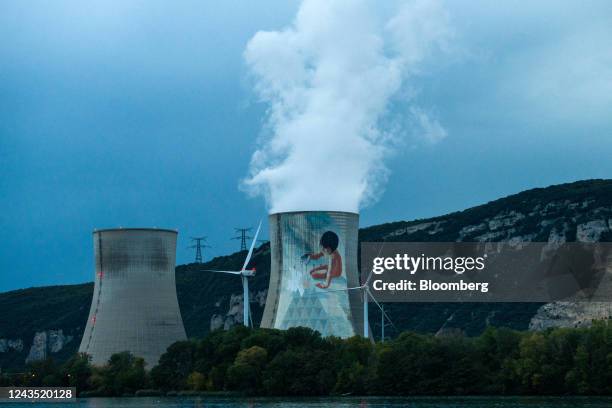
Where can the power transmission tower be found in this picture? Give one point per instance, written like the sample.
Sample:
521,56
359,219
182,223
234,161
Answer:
243,236
199,244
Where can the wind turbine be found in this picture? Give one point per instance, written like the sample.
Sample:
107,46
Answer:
244,276
367,294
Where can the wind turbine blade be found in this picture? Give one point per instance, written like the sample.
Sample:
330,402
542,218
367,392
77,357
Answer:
367,281
343,289
373,298
380,307
335,290
248,258
217,271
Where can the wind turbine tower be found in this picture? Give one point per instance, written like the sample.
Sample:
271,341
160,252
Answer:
244,274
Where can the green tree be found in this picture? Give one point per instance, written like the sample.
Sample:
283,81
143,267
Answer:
124,374
246,372
357,361
272,340
577,379
43,373
77,372
532,363
301,371
351,379
496,351
196,381
217,352
174,366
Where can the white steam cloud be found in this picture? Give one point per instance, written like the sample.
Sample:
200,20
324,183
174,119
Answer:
328,80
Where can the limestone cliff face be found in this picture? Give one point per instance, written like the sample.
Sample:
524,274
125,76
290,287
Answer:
234,313
555,222
570,314
8,345
46,343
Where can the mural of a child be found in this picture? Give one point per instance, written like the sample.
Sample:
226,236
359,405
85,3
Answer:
329,248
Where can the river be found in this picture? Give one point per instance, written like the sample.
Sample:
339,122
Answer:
345,402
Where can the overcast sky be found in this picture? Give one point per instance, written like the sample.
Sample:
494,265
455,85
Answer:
142,113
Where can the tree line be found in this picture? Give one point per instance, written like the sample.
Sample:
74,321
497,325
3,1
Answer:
299,361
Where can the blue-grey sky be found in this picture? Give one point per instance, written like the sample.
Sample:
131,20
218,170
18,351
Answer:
142,113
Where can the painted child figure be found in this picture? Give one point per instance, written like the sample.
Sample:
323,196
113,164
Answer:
333,269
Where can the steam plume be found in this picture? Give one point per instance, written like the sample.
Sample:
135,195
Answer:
328,80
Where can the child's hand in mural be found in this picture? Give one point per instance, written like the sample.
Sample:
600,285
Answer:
322,286
311,256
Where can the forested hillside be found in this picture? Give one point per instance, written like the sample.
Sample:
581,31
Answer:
49,320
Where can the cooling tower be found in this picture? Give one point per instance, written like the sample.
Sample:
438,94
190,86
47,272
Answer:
134,306
306,248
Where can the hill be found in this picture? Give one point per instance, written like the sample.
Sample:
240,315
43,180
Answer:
48,321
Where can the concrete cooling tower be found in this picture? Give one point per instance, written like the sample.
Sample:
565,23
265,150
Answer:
134,306
313,262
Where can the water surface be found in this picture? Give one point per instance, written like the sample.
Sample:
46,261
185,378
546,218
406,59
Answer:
344,402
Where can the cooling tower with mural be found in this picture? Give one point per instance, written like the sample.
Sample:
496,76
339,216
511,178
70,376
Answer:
313,262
